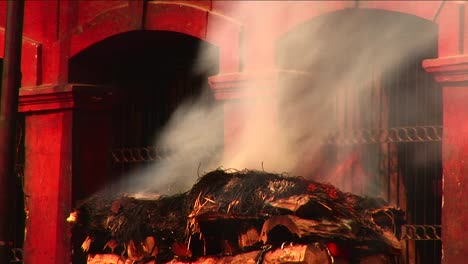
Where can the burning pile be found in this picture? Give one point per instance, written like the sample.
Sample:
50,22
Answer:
230,212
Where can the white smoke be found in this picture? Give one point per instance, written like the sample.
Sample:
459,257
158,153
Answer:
319,61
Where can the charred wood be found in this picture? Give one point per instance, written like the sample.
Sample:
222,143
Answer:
229,213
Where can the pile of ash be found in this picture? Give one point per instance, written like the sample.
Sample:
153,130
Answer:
231,212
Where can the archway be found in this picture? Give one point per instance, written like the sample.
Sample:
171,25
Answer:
149,73
379,111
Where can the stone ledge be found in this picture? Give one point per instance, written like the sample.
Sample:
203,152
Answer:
448,69
249,85
64,96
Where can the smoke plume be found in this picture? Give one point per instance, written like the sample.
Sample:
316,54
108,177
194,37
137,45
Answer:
327,66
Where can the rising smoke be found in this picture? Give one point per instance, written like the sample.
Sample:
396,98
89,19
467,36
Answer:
326,66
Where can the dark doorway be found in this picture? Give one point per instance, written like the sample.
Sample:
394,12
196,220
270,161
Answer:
150,73
385,125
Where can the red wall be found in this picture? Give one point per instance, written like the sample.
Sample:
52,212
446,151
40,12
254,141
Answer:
54,31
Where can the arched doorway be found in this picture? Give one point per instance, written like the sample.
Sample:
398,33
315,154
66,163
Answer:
379,112
149,73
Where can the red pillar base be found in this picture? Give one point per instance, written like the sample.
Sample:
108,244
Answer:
49,117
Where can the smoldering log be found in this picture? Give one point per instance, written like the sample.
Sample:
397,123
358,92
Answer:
313,253
233,212
127,224
250,195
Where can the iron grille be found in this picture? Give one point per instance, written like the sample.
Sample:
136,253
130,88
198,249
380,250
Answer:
132,155
392,134
395,134
421,232
138,154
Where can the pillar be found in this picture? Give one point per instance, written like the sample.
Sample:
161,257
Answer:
452,74
49,135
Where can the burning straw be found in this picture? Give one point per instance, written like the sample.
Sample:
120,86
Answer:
228,212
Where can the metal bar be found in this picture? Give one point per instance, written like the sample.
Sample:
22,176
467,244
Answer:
436,15
421,232
461,29
427,133
129,155
11,81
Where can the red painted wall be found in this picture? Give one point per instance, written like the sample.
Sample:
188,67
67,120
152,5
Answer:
54,31
455,156
48,172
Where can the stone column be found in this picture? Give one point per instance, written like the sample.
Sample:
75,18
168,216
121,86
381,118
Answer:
49,119
452,74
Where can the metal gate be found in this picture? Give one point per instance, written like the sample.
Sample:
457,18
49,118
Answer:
143,114
398,149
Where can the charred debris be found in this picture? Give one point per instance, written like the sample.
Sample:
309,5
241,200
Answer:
229,212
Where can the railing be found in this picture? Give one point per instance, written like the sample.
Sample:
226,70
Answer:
421,232
348,137
394,134
138,154
128,155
